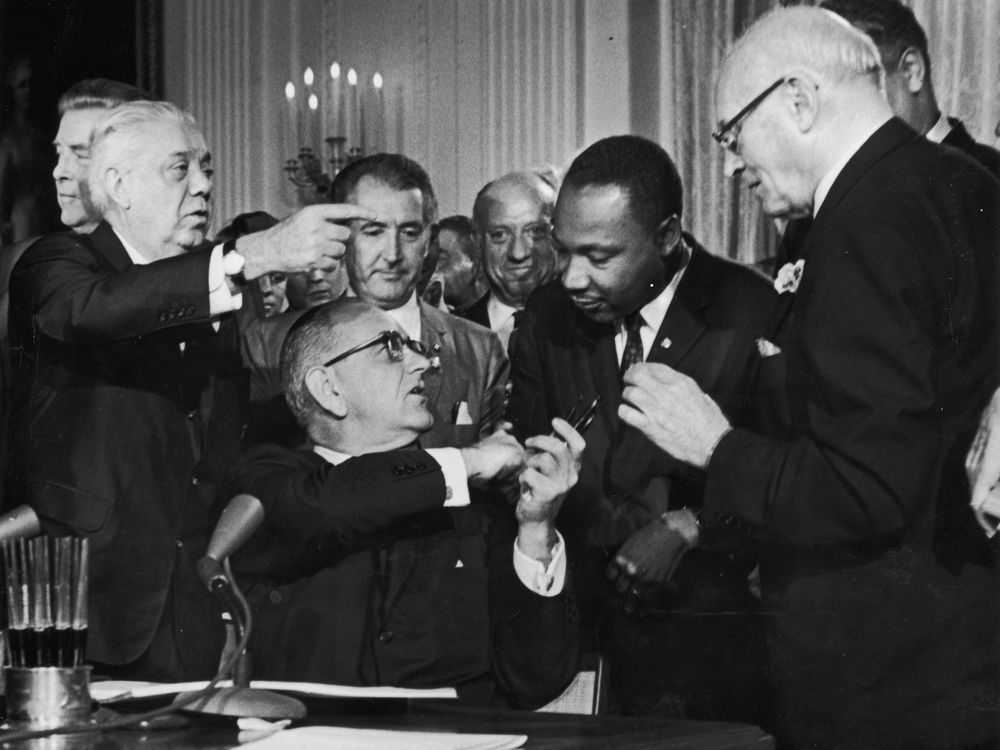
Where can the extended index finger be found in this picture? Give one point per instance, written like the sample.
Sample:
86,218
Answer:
344,212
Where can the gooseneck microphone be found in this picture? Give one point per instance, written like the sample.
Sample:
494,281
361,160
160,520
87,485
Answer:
239,520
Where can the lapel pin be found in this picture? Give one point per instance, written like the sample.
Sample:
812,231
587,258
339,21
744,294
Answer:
666,343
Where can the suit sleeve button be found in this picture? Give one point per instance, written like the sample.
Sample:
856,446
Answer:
397,470
274,597
385,636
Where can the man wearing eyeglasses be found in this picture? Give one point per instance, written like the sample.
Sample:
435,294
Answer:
373,568
880,356
466,387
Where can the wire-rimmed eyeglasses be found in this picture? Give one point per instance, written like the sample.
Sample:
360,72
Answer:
728,136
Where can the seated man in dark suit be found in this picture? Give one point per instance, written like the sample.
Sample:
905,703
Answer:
372,567
129,394
637,288
466,387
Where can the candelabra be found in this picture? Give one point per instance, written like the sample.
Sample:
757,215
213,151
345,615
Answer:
306,171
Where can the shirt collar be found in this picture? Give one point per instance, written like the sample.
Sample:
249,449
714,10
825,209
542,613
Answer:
654,311
940,129
332,456
133,254
823,188
499,312
408,317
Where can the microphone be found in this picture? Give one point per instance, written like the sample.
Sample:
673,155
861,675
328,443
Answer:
19,523
239,520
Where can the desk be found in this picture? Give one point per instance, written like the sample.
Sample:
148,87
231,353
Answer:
544,731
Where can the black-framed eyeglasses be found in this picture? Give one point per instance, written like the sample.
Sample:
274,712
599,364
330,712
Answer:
395,344
728,136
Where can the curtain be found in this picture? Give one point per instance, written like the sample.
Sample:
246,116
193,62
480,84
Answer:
718,210
963,39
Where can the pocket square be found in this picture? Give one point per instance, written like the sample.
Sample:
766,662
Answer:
461,413
766,348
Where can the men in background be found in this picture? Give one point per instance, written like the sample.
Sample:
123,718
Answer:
466,385
80,107
381,573
636,287
459,263
129,388
879,359
513,216
902,45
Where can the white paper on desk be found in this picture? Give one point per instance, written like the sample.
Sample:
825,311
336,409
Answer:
119,690
344,738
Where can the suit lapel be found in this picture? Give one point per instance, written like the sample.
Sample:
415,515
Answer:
432,335
105,243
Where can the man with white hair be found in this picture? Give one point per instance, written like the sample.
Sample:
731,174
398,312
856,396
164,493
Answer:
128,387
879,358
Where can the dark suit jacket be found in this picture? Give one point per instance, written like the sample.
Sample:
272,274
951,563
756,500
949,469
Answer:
361,576
473,368
478,311
120,435
625,482
887,591
958,137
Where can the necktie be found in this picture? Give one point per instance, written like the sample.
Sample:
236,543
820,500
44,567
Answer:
633,342
518,314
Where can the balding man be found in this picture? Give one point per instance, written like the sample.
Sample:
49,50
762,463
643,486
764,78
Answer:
513,220
395,579
880,356
128,385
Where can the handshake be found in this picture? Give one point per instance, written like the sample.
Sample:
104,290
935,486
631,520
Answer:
544,469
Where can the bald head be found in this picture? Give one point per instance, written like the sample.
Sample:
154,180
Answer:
512,216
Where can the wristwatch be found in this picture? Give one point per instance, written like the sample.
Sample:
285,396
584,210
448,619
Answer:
233,262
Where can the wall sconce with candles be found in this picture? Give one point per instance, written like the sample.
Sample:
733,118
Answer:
353,119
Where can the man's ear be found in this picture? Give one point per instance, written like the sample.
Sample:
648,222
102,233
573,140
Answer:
114,185
803,100
668,235
912,69
324,387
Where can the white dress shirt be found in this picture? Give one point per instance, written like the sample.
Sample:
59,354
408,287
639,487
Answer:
939,130
408,317
544,580
501,316
653,312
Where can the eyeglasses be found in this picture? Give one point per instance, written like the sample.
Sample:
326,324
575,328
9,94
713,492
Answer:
394,343
728,136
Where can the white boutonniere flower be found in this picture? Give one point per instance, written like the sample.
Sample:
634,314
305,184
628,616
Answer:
788,277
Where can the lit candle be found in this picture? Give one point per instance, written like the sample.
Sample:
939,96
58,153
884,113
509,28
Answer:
378,119
292,127
354,115
314,123
336,126
308,78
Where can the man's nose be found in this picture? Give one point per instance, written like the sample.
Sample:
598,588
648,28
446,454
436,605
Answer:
732,164
200,182
574,278
520,248
415,362
265,284
316,276
62,170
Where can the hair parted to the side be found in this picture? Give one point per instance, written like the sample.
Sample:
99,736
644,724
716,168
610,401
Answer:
889,23
395,170
308,343
99,93
111,148
641,168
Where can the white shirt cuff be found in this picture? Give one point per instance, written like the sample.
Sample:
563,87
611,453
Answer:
546,581
456,478
220,299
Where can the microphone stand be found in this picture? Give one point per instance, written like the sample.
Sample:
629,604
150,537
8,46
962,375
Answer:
243,514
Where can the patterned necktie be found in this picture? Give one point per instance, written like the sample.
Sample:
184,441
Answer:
633,342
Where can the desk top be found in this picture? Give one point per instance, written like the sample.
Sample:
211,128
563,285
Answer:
545,731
